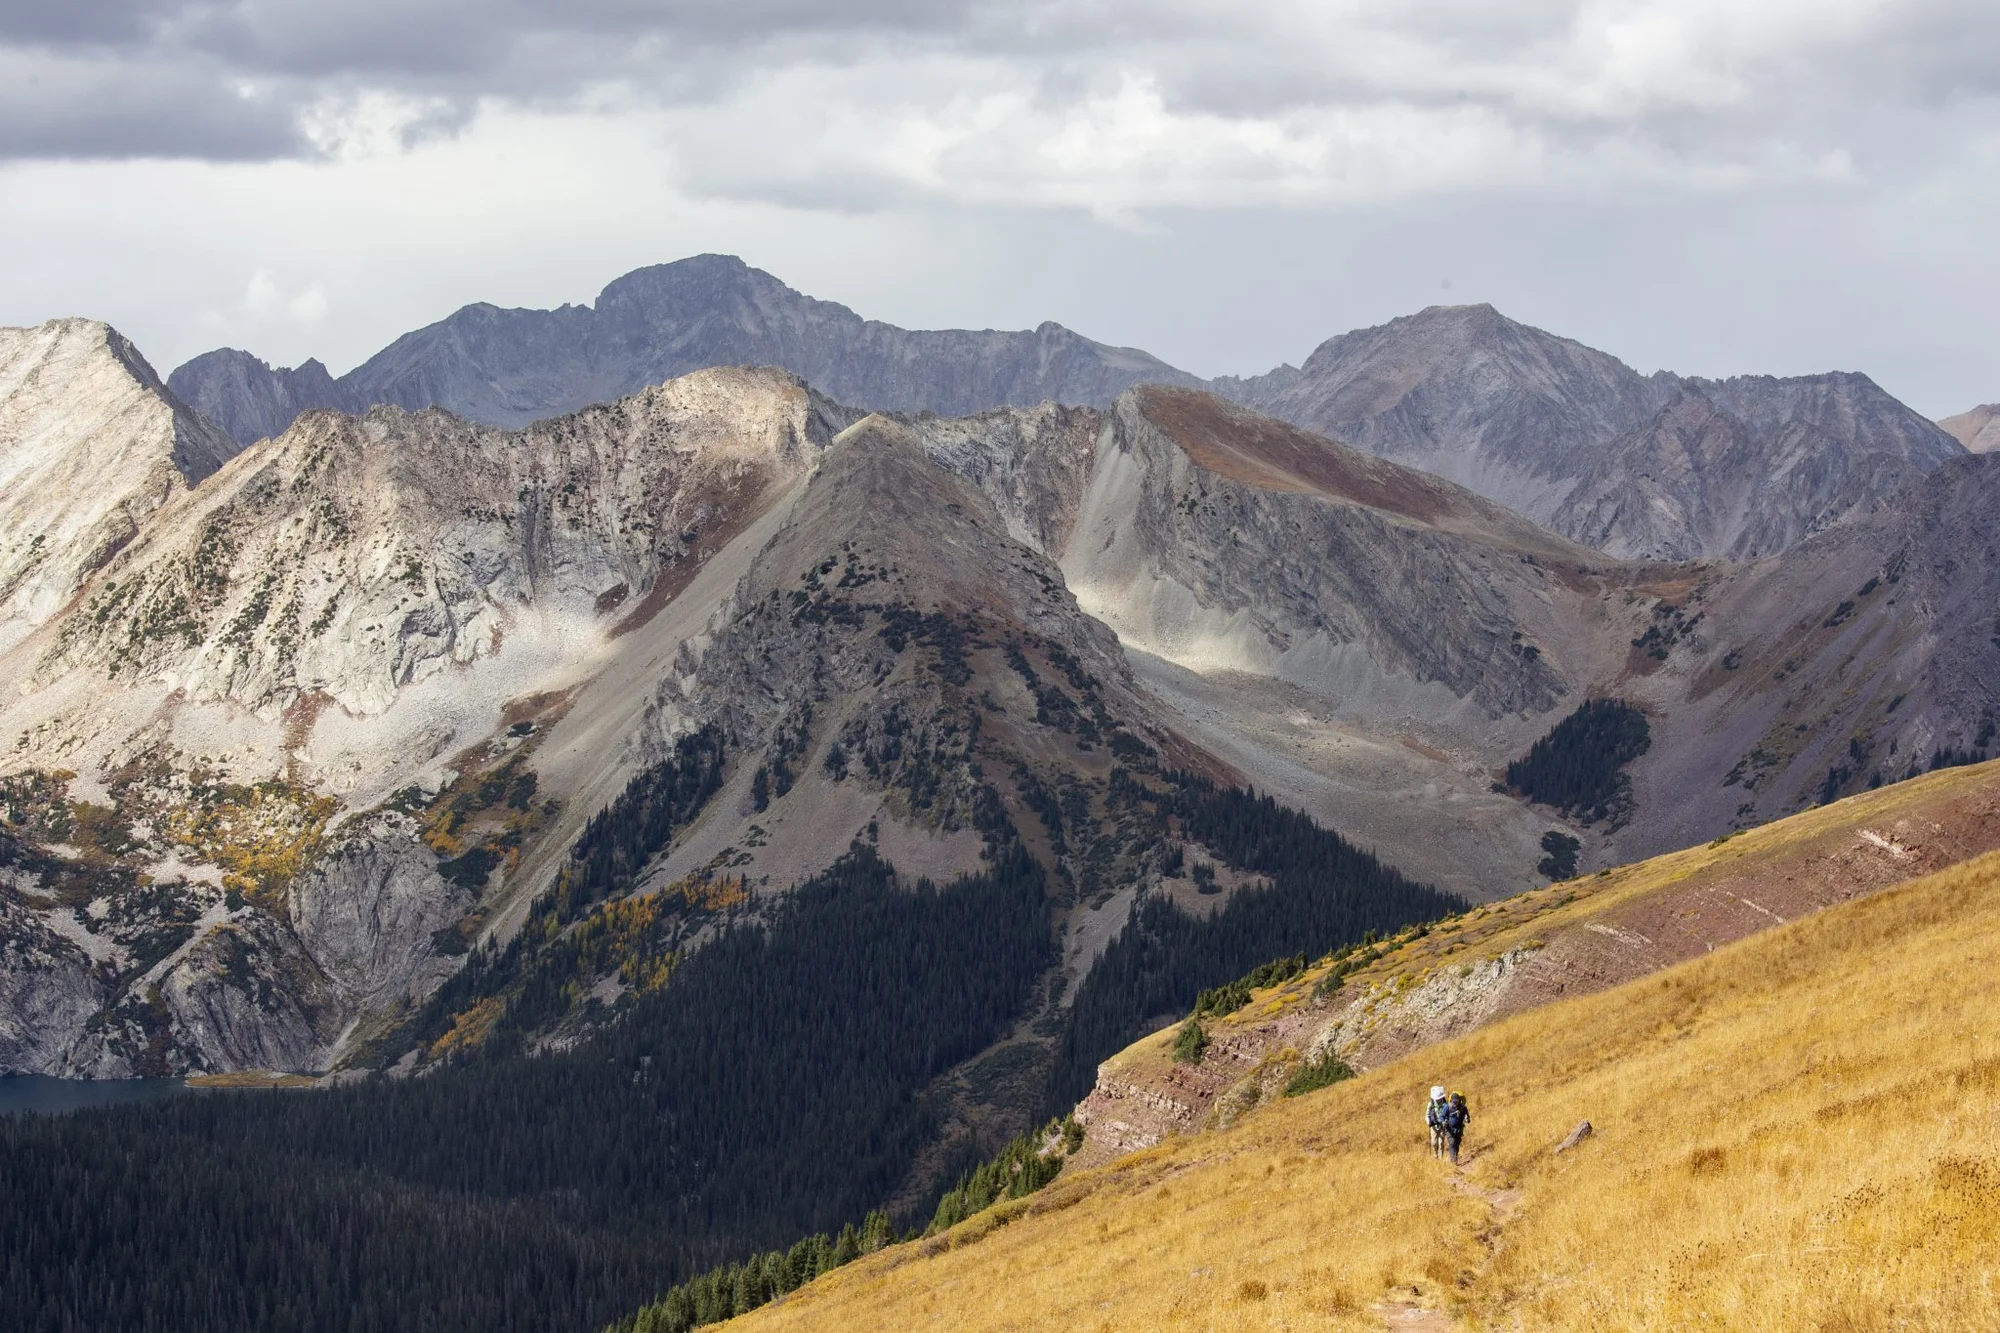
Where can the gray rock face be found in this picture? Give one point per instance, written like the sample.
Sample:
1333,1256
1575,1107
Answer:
248,996
1031,465
91,444
1746,467
145,978
49,984
1978,430
177,977
368,911
1657,467
253,401
510,367
1220,537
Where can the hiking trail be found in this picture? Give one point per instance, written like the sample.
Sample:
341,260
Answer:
1407,1315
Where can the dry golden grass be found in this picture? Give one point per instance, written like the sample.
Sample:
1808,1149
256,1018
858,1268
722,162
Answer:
1795,1132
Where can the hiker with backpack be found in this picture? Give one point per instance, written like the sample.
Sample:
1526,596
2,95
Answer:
1447,1117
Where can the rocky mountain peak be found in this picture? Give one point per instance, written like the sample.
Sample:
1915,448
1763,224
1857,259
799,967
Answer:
91,443
1978,430
252,400
901,529
1661,466
509,367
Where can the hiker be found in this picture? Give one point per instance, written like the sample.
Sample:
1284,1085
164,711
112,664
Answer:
1434,1114
1447,1117
1456,1117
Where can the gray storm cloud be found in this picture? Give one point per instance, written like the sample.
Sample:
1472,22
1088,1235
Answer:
1309,103
1713,185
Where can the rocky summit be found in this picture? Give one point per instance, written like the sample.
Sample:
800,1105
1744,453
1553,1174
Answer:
1657,467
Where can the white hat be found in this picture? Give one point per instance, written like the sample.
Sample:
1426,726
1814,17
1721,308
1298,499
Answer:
1437,1093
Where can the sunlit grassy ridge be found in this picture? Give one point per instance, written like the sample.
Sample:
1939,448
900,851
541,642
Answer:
1434,981
1796,1131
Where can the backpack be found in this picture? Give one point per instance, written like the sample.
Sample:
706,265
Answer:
1455,1113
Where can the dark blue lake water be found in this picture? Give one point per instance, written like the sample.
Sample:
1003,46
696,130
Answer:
34,1094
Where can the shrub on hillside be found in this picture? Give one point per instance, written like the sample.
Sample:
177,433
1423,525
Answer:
1191,1043
1313,1075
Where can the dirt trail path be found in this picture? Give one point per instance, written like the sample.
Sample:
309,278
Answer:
1407,1316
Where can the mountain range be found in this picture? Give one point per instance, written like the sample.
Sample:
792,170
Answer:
262,679
510,367
373,737
1658,467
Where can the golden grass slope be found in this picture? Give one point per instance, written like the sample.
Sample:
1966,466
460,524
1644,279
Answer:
1568,939
1797,1131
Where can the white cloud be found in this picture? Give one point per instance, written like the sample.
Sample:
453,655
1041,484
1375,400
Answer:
1713,184
375,122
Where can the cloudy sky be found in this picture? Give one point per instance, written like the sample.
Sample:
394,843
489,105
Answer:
1713,186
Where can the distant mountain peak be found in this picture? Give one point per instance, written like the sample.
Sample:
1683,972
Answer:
1978,430
1582,443
508,367
1571,437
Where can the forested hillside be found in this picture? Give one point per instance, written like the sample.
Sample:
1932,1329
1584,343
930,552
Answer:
575,1150
1576,767
772,1089
1322,893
